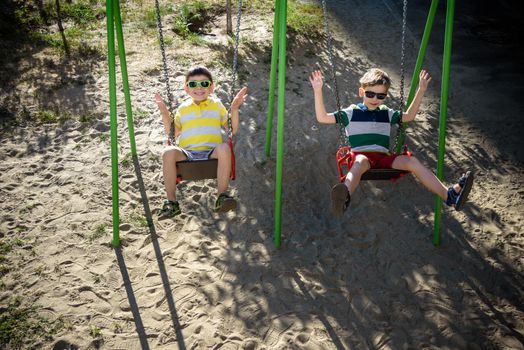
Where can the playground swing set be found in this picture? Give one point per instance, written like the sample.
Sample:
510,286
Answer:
206,169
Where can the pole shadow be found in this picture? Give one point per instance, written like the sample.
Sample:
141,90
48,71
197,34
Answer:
158,254
132,300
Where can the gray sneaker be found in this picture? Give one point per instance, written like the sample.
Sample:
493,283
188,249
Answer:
169,209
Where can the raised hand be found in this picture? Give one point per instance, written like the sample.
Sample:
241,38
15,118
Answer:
424,79
317,80
159,101
239,98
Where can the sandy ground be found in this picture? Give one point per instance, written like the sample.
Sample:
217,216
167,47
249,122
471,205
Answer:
372,280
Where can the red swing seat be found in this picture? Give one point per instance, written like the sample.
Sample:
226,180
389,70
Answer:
346,158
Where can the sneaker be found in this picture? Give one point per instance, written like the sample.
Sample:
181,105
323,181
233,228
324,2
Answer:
224,203
169,209
459,199
340,199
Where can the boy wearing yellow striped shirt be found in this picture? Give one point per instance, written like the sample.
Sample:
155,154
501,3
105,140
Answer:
198,125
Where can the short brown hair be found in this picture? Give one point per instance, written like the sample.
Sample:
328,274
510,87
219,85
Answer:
373,77
200,70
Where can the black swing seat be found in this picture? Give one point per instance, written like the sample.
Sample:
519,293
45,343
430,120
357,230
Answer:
196,170
383,174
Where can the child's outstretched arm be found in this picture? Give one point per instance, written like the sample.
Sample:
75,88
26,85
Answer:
166,116
317,82
411,113
235,106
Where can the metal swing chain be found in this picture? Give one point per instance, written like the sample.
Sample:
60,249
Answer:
400,127
234,70
170,101
343,141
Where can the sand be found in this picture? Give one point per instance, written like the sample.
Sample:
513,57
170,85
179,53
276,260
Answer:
371,280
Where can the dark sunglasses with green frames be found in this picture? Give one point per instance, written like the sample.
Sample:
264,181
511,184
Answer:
195,83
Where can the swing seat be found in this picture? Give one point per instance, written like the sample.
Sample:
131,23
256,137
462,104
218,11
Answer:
346,157
203,169
196,170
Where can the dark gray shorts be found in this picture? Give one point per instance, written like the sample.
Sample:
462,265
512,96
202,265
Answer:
197,155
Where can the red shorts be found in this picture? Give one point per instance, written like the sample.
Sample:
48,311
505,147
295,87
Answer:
379,160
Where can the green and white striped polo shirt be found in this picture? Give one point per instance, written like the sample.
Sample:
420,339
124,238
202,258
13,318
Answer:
368,131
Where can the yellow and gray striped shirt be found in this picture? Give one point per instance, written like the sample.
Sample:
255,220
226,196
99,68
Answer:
200,124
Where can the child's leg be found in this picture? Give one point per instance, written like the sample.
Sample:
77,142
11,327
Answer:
359,167
223,153
171,155
423,174
341,193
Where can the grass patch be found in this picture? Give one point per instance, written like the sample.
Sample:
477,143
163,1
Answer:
87,118
4,269
127,161
138,220
46,116
257,5
21,326
149,17
140,113
80,18
99,231
95,332
192,19
305,19
82,12
6,246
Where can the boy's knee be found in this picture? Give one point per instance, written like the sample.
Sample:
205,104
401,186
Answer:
362,160
413,163
169,153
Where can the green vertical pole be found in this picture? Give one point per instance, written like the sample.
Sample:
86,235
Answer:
112,111
272,78
123,69
418,65
446,64
282,22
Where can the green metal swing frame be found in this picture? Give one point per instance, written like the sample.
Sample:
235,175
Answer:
278,58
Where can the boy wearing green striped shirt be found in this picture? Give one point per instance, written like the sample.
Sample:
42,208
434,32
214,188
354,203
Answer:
368,126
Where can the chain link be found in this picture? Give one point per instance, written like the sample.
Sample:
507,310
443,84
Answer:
170,100
343,141
234,70
400,129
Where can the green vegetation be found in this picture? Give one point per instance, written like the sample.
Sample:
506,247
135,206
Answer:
305,18
99,231
140,113
6,245
87,118
191,20
259,5
127,162
46,116
149,16
79,18
22,326
95,331
138,220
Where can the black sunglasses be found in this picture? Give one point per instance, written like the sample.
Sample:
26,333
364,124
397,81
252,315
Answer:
371,94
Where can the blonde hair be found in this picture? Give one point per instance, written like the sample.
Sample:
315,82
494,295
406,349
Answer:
373,77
